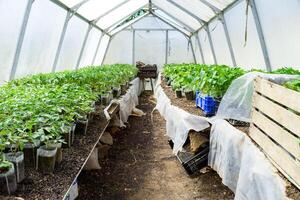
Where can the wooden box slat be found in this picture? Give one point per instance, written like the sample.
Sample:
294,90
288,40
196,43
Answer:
278,93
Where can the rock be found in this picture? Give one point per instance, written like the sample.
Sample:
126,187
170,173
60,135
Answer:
103,150
106,138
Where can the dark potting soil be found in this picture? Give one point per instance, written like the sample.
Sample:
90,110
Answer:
54,186
141,165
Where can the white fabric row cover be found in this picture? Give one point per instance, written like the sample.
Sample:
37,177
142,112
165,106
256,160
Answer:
242,166
111,12
178,121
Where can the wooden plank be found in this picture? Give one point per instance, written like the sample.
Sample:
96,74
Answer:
285,163
286,118
281,136
278,93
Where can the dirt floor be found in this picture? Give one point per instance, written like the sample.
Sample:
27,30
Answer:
140,165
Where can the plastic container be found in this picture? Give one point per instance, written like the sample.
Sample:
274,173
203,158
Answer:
29,151
81,126
18,160
116,91
8,181
59,154
178,93
189,95
123,89
46,159
207,103
68,139
105,99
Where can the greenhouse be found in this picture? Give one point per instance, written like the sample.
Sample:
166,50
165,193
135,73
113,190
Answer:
149,99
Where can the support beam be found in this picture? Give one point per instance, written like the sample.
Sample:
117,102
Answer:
97,48
78,5
20,40
223,21
167,47
260,35
200,48
192,48
170,24
176,19
106,49
83,45
109,11
133,47
61,40
211,44
201,21
211,6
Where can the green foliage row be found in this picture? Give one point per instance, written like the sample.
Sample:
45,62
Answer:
213,80
45,106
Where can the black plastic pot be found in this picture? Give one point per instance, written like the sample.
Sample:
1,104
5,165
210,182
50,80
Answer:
46,159
18,160
29,151
8,181
189,95
81,126
178,93
116,92
123,89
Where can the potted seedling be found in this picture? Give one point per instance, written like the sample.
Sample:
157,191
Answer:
8,183
15,156
81,125
56,142
105,99
67,135
123,88
116,91
46,155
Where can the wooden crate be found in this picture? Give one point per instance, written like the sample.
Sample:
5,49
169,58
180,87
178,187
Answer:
275,126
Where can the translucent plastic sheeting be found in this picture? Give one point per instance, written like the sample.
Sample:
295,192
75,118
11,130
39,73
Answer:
41,38
220,43
250,55
121,13
90,47
177,14
282,39
150,47
178,121
179,50
120,49
207,52
151,22
237,101
173,22
242,166
12,13
71,3
102,49
197,50
95,8
221,4
115,30
72,44
197,8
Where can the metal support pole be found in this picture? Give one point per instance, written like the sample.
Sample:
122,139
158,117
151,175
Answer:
61,40
223,21
167,46
200,48
83,45
107,46
20,40
133,47
97,48
260,35
193,52
211,44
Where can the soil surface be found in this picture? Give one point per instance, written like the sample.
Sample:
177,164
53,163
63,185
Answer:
54,186
140,165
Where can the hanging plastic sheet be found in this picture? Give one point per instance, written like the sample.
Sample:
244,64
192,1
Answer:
242,166
237,101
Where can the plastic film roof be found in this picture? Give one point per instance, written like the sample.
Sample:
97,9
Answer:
187,16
